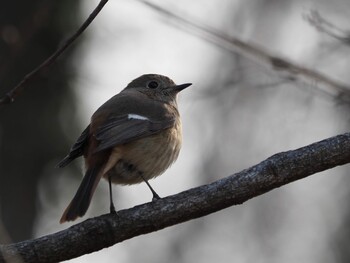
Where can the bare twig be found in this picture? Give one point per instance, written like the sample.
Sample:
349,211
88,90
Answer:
12,94
290,70
106,230
324,26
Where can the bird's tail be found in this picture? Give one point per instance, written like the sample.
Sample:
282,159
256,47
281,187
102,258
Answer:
81,201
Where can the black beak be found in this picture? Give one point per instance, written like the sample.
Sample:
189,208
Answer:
178,88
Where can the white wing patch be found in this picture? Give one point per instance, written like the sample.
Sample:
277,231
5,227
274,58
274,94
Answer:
137,117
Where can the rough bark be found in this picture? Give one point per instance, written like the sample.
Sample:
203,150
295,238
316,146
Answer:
106,230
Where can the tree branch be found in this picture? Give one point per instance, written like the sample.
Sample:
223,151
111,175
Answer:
287,69
12,94
324,26
106,230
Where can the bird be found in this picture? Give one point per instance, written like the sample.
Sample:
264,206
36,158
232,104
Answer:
133,137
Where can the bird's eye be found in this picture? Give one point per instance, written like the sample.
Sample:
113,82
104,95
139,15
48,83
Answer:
153,85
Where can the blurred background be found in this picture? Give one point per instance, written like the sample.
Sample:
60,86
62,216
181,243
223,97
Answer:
238,112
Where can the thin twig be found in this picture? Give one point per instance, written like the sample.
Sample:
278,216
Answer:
324,26
100,232
12,94
291,70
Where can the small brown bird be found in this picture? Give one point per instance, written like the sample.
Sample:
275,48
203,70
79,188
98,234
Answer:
133,137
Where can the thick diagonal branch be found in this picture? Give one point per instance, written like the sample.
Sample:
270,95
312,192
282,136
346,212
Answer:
106,230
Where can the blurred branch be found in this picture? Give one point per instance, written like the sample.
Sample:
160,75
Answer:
324,26
12,94
291,71
106,230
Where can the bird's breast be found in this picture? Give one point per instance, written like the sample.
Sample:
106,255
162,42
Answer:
147,157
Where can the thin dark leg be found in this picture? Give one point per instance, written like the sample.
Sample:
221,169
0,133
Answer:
155,195
111,206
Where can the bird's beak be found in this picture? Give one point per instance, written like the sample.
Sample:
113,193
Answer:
178,88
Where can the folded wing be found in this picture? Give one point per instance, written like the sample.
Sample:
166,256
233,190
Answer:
124,129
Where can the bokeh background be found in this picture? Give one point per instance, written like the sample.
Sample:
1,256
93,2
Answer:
237,113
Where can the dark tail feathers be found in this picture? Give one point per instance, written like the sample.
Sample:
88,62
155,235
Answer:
81,201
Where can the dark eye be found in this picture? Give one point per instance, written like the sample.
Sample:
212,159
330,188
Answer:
153,85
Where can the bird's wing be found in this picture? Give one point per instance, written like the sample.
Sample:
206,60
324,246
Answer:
123,129
77,148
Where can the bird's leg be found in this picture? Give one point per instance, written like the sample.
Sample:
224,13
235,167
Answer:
111,206
155,195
